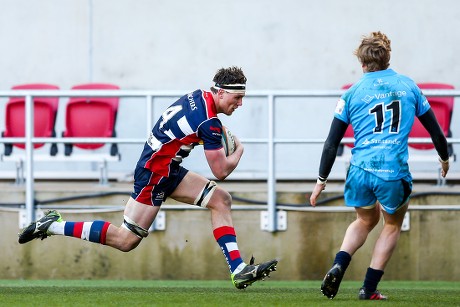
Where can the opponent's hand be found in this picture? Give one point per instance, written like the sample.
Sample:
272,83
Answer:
319,187
444,167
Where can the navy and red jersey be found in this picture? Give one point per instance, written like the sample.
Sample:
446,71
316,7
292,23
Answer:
189,121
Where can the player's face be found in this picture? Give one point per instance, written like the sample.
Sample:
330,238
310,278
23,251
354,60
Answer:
229,102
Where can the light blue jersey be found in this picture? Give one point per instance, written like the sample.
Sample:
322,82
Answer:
381,107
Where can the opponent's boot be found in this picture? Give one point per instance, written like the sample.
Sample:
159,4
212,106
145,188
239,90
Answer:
332,280
368,295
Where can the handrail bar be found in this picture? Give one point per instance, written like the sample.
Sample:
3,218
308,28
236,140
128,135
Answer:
271,141
175,93
244,140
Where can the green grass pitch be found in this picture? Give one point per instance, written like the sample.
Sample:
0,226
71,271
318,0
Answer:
216,293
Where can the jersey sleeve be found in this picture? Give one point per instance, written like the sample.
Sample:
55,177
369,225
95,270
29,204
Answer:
341,109
210,132
421,103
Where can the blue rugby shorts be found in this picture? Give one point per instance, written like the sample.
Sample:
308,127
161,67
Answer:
153,189
363,189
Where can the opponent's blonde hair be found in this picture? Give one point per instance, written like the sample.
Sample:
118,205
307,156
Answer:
374,51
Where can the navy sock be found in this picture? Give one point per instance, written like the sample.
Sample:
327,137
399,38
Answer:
372,279
343,258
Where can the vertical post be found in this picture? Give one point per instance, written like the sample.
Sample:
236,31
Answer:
149,112
30,204
149,107
271,192
90,40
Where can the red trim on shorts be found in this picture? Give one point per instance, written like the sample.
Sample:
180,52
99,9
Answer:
145,196
223,231
104,232
77,230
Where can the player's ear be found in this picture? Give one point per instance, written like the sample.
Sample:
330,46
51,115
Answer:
221,93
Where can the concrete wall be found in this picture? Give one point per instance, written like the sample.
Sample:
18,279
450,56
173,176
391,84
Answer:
178,45
187,249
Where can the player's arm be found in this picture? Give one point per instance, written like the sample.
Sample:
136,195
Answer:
331,145
221,165
429,121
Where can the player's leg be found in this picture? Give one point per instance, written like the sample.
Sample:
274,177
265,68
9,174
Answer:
137,216
137,220
394,197
357,232
355,236
384,247
194,187
197,190
367,216
388,239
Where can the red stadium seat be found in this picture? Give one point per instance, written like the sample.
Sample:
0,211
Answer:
442,108
91,117
45,111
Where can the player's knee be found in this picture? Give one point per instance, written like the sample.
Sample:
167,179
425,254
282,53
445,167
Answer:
392,227
210,195
130,235
370,223
221,200
226,199
129,245
126,241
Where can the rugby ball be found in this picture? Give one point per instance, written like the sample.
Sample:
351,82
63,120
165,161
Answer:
228,142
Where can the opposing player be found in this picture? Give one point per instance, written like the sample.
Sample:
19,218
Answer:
381,108
190,120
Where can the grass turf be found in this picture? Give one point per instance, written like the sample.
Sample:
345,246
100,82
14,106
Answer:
215,293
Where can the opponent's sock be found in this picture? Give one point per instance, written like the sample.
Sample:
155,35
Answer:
343,258
372,279
226,238
95,231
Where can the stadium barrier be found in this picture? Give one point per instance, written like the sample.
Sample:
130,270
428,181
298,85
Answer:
271,216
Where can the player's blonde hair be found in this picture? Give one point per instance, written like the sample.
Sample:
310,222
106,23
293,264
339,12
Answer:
374,51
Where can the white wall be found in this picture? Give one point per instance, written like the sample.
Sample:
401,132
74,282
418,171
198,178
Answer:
178,45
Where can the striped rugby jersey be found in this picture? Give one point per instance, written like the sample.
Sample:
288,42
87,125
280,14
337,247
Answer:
189,121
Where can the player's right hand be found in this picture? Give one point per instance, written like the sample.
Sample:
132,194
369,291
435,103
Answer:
237,142
319,187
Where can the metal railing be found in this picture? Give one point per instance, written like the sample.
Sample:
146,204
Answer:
149,96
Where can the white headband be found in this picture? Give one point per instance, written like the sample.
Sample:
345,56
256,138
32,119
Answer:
232,88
